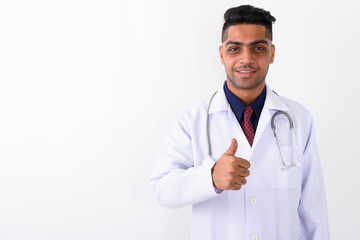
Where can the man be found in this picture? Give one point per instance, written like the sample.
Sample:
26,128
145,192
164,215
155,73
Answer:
252,185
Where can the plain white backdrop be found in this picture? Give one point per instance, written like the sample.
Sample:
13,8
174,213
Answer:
88,89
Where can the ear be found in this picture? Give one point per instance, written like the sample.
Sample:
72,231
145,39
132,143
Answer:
272,53
221,52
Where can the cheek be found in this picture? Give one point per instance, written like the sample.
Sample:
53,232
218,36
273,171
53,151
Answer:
229,66
266,61
229,61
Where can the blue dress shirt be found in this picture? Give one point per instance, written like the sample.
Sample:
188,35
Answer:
238,106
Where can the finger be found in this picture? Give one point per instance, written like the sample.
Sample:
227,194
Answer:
236,186
243,172
241,181
243,163
233,147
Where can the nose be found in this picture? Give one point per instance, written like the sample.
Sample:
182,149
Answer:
246,57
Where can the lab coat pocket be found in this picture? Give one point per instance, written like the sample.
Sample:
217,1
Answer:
277,174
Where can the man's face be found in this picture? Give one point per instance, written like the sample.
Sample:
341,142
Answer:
246,55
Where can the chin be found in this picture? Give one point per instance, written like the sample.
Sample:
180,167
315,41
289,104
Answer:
244,84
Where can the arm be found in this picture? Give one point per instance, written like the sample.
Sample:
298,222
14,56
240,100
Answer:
313,208
176,178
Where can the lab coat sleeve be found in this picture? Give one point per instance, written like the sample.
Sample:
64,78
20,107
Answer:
313,207
177,179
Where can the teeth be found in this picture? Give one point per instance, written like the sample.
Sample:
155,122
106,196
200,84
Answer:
246,71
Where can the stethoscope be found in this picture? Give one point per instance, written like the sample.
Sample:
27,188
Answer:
285,166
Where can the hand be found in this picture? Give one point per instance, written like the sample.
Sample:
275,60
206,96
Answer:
229,172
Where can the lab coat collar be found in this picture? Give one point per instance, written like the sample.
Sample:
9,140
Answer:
219,102
272,101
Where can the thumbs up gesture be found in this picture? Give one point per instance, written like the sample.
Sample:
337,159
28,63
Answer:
229,171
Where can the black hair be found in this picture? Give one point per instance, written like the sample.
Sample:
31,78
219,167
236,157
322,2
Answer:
249,15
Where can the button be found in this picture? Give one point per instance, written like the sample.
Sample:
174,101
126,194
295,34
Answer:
252,164
253,201
254,237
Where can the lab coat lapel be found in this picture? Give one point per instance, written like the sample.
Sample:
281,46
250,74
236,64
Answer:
220,103
263,122
272,104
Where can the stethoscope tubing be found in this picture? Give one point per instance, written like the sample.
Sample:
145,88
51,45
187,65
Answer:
273,127
207,127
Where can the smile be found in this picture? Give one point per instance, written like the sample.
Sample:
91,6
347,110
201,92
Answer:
246,73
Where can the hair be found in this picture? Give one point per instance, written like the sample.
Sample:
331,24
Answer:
247,14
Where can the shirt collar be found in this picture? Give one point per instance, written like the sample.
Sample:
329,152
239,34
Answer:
273,102
238,106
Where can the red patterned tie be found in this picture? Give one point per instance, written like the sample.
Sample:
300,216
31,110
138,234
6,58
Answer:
247,125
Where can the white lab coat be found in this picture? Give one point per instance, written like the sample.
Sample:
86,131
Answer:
274,204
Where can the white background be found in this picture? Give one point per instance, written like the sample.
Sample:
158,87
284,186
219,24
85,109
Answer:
89,88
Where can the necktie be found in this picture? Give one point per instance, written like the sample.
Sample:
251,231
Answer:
247,125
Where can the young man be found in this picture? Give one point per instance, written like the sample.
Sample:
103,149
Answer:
223,158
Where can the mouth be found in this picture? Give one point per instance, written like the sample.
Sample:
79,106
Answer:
245,73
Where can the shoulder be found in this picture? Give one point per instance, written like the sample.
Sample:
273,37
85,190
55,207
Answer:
295,106
300,114
277,102
194,112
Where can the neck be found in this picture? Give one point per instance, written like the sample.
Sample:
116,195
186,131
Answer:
247,95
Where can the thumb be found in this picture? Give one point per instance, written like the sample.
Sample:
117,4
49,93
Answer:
233,147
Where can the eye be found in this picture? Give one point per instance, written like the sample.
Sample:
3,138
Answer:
259,49
233,50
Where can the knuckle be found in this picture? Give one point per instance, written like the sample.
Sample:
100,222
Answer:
244,181
244,172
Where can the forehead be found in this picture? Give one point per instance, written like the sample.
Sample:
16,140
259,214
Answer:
246,33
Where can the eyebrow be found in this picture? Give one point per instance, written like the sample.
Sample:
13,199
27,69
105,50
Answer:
242,44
